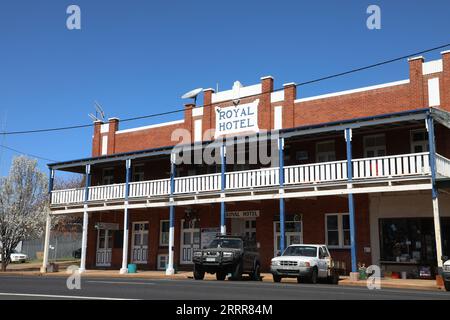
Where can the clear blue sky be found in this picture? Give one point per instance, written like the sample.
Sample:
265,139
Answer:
138,57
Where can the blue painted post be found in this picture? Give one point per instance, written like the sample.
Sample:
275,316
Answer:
351,203
85,219
223,227
124,268
51,178
281,174
434,192
170,270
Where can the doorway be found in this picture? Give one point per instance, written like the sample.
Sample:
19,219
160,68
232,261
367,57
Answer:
139,249
190,240
104,248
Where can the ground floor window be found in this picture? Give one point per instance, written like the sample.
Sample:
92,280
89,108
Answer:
337,230
164,233
293,233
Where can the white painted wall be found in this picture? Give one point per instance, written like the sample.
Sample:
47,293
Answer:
396,205
104,144
434,97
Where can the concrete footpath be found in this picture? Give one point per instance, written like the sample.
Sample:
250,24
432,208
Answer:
29,269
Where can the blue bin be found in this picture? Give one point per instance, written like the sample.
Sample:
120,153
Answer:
132,268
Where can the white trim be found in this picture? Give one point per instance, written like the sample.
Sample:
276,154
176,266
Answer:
340,230
416,58
266,77
432,67
230,94
104,128
104,144
162,124
289,84
196,112
341,93
278,118
434,97
198,130
277,96
444,52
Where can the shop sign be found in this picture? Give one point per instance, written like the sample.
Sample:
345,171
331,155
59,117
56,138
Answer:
106,225
237,119
243,214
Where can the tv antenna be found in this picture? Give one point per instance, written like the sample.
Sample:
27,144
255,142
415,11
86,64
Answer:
192,94
99,113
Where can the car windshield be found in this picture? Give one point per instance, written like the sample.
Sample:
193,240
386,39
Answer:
302,251
225,243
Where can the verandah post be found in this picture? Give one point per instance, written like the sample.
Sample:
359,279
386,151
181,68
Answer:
351,203
170,270
223,227
281,178
85,220
48,223
124,268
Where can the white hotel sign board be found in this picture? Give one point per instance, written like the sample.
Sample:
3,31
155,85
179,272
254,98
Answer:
237,119
243,214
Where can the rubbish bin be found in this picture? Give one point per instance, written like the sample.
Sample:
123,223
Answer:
132,268
362,273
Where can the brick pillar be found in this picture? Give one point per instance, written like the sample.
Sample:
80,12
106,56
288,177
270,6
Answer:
290,94
445,81
113,127
96,139
188,121
209,112
416,94
264,109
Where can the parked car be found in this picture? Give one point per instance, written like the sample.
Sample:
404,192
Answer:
76,253
446,273
309,262
17,257
227,255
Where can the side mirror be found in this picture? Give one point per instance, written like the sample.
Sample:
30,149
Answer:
444,258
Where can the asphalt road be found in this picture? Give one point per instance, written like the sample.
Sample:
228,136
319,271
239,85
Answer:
28,287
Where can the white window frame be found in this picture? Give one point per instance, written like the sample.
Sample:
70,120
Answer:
161,244
423,143
340,230
374,148
328,152
160,256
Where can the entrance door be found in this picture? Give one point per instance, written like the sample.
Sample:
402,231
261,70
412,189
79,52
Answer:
104,245
244,227
190,240
139,251
293,234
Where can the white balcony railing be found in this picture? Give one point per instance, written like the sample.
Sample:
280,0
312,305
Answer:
150,188
416,164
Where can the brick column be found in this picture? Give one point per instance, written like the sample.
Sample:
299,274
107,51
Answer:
264,108
209,112
290,94
417,100
96,139
113,127
188,121
445,81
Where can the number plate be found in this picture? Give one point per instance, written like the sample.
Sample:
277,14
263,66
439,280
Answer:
210,259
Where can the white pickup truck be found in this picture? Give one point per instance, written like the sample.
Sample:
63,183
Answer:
309,262
446,273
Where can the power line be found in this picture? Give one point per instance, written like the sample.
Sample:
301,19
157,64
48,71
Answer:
208,105
27,154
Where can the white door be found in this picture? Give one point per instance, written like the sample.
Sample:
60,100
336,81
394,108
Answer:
104,245
293,234
190,240
139,250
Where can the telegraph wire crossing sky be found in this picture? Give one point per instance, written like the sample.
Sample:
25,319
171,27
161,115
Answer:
138,59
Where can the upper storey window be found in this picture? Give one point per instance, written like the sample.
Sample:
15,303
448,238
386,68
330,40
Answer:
108,176
419,141
375,146
325,151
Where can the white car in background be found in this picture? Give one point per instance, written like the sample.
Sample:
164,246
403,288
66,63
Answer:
17,257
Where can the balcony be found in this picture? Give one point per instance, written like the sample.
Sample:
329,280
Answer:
389,170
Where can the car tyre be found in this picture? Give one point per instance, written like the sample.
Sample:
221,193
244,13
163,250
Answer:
333,278
220,276
198,273
299,279
237,273
276,278
313,277
447,285
256,274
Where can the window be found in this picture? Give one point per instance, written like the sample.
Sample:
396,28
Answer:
337,226
163,259
325,151
375,146
138,173
419,141
164,233
108,176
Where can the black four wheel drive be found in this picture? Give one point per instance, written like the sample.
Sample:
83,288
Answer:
227,255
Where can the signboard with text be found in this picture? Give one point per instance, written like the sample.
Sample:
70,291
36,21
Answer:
243,214
237,119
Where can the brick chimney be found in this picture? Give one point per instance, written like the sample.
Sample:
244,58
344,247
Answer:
113,127
445,80
96,139
290,94
265,111
209,112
